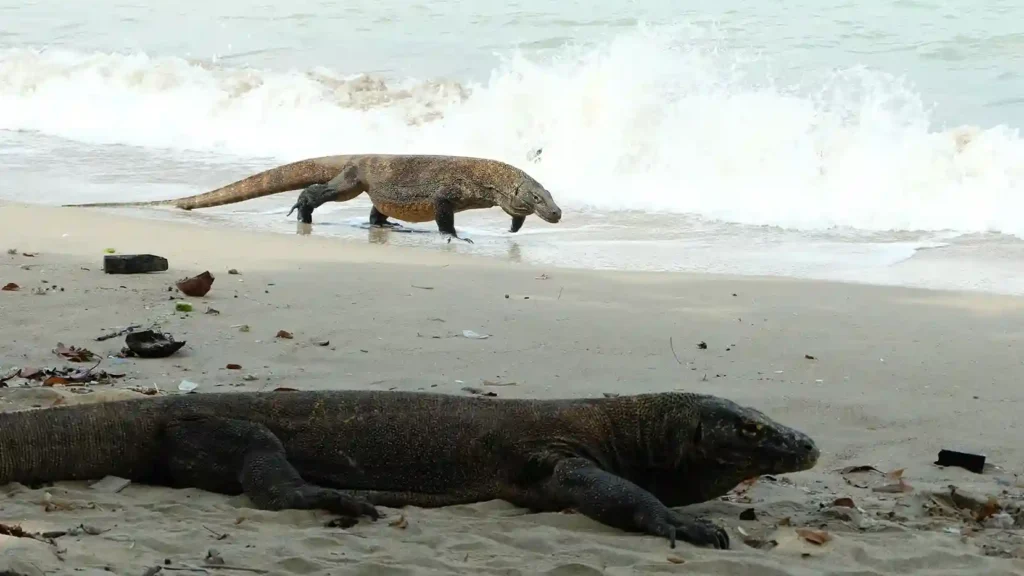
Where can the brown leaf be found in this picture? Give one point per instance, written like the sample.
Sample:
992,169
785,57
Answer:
675,559
745,485
895,474
30,373
56,381
401,523
893,488
284,334
10,287
818,537
73,353
234,366
844,503
991,508
196,286
285,389
14,530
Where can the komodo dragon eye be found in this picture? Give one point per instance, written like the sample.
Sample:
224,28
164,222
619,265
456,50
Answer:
752,429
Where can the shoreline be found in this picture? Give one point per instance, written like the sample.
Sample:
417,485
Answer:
627,242
879,376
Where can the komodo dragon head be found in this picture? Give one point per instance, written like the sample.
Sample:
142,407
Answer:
708,445
527,196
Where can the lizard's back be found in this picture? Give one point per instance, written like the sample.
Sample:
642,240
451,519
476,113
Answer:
400,441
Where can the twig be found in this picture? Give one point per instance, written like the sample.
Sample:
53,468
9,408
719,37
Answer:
217,535
94,366
673,348
422,287
560,292
239,568
117,333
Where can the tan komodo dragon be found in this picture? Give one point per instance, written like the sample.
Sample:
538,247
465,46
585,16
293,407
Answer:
413,188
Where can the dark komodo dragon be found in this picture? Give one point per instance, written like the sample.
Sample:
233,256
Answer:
413,188
620,461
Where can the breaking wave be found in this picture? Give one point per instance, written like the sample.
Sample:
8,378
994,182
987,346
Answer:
641,123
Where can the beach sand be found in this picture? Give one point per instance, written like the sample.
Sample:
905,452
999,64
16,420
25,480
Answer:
879,376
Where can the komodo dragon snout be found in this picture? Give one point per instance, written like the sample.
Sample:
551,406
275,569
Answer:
531,197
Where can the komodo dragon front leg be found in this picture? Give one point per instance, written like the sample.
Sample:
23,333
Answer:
237,456
602,496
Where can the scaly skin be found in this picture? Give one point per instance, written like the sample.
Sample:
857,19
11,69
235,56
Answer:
620,461
413,188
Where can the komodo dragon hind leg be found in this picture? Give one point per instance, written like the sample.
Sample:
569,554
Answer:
379,219
614,501
342,188
444,215
231,456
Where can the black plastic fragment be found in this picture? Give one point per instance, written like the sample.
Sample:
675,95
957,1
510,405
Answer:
972,462
133,263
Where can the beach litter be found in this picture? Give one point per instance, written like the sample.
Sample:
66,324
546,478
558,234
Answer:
133,263
150,344
196,286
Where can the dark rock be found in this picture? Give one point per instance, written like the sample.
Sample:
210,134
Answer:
133,263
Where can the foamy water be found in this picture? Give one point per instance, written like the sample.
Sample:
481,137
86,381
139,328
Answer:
692,146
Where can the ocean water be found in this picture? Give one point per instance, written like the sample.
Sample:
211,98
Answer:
874,141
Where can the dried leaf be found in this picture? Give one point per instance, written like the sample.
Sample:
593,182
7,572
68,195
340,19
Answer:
285,389
10,287
818,537
991,508
284,334
74,354
234,366
894,488
401,523
745,485
56,381
30,373
675,559
844,503
895,474
196,286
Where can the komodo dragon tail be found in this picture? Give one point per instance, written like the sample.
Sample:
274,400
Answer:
80,442
281,179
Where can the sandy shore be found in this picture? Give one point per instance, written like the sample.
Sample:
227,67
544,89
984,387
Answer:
881,377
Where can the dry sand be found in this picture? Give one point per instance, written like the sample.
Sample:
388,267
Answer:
896,375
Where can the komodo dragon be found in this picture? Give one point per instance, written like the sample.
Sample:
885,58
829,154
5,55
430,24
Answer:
413,188
620,461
